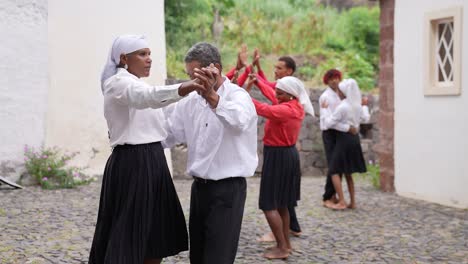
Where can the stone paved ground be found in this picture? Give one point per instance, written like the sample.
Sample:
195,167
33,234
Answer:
38,226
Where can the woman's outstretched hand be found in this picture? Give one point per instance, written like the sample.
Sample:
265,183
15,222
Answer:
211,79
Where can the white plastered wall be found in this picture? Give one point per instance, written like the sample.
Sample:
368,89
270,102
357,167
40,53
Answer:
23,80
431,143
80,36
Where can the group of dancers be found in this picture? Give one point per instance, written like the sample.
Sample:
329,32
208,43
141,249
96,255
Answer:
140,219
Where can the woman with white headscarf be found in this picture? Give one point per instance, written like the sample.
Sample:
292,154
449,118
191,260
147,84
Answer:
281,172
140,219
346,157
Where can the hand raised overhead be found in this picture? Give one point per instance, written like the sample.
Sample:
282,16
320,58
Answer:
242,57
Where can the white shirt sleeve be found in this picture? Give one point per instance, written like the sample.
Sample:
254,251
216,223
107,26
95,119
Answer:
236,110
174,126
140,95
321,99
365,115
335,120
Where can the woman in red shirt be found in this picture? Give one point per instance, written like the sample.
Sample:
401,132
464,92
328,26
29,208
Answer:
279,187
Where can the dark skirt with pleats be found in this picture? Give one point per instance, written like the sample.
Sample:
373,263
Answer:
140,216
281,178
347,155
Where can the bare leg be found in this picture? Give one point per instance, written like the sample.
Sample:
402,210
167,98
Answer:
276,224
350,182
152,261
339,190
284,212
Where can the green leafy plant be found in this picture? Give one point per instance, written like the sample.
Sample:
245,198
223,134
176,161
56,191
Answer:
326,37
372,174
51,170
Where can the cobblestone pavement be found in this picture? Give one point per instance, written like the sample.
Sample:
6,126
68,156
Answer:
38,226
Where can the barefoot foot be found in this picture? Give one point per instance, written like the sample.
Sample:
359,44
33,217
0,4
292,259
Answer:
338,206
290,250
268,237
294,233
329,204
276,253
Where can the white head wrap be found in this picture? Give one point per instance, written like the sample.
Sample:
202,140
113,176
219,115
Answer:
350,89
294,86
124,44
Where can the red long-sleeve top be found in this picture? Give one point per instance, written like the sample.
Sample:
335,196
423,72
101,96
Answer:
242,77
283,120
262,78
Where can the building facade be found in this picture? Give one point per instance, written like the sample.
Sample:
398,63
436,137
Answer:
424,97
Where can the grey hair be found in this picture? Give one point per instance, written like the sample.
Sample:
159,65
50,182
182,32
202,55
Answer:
204,53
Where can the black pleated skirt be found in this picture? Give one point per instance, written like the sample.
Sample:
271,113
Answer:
281,178
347,155
140,216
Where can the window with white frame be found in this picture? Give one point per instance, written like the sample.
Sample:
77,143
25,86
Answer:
443,52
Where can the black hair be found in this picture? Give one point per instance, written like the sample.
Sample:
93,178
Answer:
290,63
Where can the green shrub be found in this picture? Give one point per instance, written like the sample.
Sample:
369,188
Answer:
306,72
372,174
364,34
49,168
351,63
347,40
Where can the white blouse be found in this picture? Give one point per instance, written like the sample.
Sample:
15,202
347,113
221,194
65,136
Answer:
132,109
221,142
343,115
333,101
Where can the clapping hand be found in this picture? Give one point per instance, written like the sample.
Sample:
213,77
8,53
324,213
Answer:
256,59
242,57
252,80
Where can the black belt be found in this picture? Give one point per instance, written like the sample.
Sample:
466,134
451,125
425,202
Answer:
201,180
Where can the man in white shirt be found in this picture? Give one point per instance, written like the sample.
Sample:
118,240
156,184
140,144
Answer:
219,125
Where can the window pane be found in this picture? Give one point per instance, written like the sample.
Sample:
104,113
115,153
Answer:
441,76
448,32
445,51
440,29
442,52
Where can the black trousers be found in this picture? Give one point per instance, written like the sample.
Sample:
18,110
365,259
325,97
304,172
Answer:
216,210
329,142
293,223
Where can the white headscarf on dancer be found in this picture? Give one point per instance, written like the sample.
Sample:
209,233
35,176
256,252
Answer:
350,89
295,87
124,44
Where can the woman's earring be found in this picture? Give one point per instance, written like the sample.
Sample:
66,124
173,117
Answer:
126,66
290,98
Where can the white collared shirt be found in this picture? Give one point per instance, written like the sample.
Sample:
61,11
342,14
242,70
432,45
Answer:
333,101
131,109
343,114
221,142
